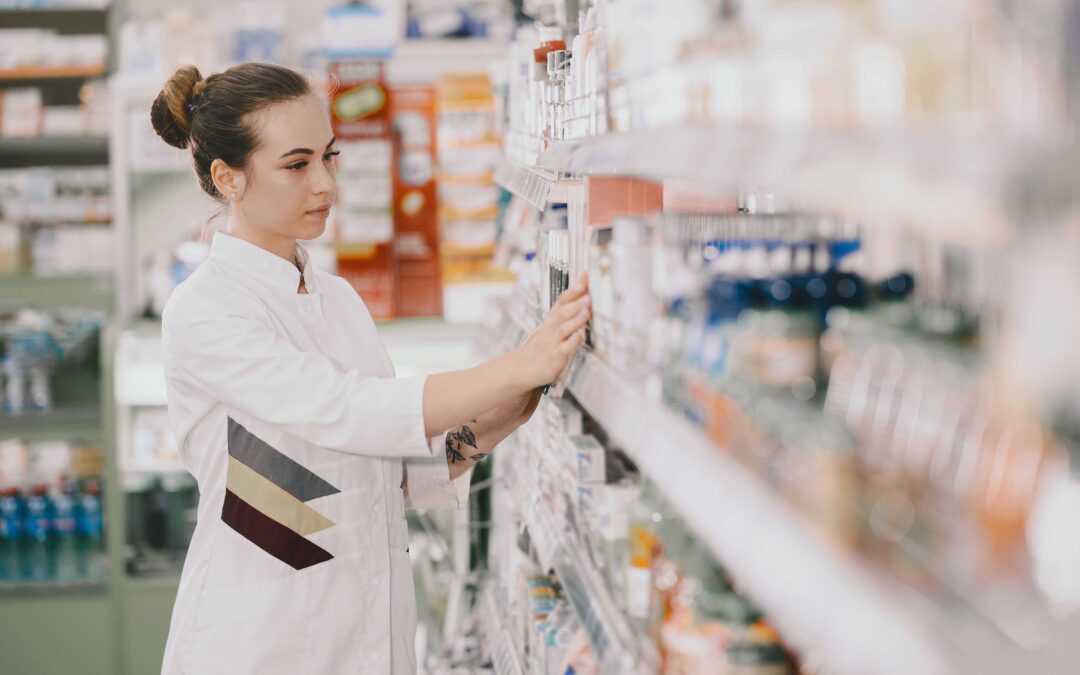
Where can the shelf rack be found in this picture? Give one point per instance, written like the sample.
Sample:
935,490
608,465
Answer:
528,183
614,643
504,655
97,145
827,602
31,73
94,291
955,188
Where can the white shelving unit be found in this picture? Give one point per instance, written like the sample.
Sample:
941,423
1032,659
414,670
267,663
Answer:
826,602
503,653
953,188
617,650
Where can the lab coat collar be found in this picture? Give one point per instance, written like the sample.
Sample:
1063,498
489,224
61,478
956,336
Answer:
262,264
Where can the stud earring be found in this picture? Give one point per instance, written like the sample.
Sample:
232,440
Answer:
234,195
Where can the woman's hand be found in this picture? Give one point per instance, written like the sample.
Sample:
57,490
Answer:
548,351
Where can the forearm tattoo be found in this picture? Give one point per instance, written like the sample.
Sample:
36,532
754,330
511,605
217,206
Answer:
458,443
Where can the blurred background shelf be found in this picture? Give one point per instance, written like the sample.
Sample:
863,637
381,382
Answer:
77,423
47,150
94,291
36,588
32,74
504,654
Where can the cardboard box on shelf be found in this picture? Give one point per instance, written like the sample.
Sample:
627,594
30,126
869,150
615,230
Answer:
415,204
370,270
360,118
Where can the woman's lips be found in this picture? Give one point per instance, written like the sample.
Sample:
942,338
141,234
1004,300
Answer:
320,213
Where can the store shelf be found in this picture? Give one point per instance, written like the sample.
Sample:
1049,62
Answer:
8,588
617,649
770,551
504,655
872,622
51,12
30,73
18,290
76,423
953,186
528,183
97,146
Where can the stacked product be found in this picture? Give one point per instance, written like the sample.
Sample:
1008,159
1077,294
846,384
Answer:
51,514
588,514
469,201
55,220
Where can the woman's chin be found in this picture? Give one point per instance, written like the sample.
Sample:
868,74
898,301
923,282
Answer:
309,230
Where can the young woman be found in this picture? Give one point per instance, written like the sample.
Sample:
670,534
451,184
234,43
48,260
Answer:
285,407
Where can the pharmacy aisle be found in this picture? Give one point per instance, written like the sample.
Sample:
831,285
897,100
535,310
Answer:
825,418
821,424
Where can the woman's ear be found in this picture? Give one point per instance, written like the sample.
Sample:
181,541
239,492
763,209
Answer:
228,181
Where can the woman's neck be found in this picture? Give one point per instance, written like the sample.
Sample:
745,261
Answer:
284,247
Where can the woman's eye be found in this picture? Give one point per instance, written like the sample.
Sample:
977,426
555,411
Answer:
330,155
297,166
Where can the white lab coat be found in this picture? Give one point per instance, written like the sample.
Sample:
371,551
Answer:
286,410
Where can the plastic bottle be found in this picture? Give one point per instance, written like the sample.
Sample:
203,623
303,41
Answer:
90,527
11,506
644,545
63,553
37,530
634,309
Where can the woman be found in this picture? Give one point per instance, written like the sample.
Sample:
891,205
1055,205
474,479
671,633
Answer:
285,408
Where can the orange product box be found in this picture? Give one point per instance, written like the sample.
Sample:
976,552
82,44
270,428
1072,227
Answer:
415,202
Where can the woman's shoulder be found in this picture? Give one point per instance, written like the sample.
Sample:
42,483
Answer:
206,296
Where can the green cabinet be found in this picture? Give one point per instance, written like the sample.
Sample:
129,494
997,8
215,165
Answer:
57,633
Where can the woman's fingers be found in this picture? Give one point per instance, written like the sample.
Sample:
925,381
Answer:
569,347
576,291
574,324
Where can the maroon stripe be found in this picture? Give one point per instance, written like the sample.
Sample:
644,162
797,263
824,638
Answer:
270,535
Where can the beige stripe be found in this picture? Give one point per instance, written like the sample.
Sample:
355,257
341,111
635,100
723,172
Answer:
274,502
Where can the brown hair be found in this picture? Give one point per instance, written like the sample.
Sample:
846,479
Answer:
210,116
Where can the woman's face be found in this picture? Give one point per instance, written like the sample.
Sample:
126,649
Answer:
290,181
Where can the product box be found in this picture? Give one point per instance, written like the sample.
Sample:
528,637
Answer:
415,202
358,106
591,459
370,270
363,222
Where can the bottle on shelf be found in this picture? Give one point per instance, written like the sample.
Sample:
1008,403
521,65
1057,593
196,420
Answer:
11,526
64,548
91,532
37,532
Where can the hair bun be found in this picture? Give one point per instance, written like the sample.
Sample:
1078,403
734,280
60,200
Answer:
172,110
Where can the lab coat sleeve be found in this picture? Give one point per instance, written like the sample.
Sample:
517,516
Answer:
239,359
428,484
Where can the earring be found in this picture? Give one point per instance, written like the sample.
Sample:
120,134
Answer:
234,195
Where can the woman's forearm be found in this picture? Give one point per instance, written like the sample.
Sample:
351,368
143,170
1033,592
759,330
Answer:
473,441
452,399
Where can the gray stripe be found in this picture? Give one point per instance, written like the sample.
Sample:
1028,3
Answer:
287,474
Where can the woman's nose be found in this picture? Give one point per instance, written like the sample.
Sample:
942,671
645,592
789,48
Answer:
324,181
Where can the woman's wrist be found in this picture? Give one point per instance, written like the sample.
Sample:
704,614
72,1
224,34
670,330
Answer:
516,366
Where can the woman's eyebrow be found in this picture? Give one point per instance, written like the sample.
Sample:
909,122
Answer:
307,151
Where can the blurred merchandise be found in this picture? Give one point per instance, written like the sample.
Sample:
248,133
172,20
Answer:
56,194
469,201
363,221
23,49
416,227
462,19
361,30
35,347
51,519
